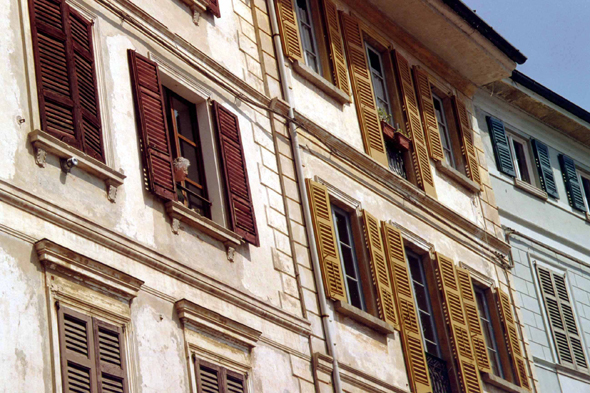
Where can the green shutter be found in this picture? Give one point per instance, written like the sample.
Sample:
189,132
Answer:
544,168
570,178
501,146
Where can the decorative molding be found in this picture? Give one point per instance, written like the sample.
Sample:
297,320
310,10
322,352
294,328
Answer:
483,279
321,83
200,318
87,271
339,194
535,191
45,143
457,176
197,7
188,81
415,239
363,317
178,212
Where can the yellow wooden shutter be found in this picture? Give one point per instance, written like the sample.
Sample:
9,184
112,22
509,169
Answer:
334,33
414,125
325,238
459,333
289,29
473,320
512,341
411,334
362,89
471,165
379,271
424,95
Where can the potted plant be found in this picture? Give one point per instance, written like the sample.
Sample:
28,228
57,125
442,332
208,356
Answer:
395,134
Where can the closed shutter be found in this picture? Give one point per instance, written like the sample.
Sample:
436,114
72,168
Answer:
511,337
501,147
77,352
66,77
414,125
473,322
215,379
544,168
559,308
213,7
325,237
152,127
235,382
456,321
242,217
424,96
403,292
362,89
572,186
379,270
112,369
289,29
471,163
336,48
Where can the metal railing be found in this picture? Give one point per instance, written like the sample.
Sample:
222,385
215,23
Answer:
439,375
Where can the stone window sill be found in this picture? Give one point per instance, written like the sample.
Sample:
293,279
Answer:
501,383
530,189
457,176
363,317
45,143
321,83
180,213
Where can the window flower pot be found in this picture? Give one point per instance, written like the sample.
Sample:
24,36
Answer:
401,141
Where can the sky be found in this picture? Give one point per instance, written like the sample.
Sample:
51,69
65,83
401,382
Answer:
553,34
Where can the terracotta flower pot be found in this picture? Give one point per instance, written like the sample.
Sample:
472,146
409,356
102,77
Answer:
400,140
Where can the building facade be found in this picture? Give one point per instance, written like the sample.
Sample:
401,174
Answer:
537,152
252,196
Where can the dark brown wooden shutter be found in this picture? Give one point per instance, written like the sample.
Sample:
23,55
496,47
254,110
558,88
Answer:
289,29
362,89
471,163
429,122
242,217
66,76
112,368
420,158
215,379
235,382
213,7
340,74
403,292
77,354
152,127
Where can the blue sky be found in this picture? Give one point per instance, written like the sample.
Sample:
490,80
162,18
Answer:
554,35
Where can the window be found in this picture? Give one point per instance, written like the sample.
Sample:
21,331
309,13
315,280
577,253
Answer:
521,159
215,379
443,128
380,88
184,136
396,158
585,183
91,353
308,35
488,331
348,256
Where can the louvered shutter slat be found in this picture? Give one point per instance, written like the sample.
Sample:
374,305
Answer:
112,370
471,163
411,334
572,186
456,322
380,271
340,74
242,216
543,163
429,121
501,147
152,127
362,89
289,29
420,158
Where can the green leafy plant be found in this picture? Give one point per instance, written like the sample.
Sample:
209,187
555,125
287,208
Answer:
383,115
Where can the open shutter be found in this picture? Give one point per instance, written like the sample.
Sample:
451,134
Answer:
213,7
414,126
544,168
424,96
362,89
325,237
152,127
471,163
473,322
561,318
336,48
501,147
572,186
242,217
112,368
403,292
456,321
77,352
511,337
379,270
289,29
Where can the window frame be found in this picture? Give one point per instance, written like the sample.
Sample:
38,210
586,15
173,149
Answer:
584,176
482,293
313,26
370,48
512,137
446,135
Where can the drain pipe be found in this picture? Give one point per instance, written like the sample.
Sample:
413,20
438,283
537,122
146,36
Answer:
327,323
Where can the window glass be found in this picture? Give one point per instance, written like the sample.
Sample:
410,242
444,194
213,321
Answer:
379,82
443,129
308,40
520,156
488,330
348,257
